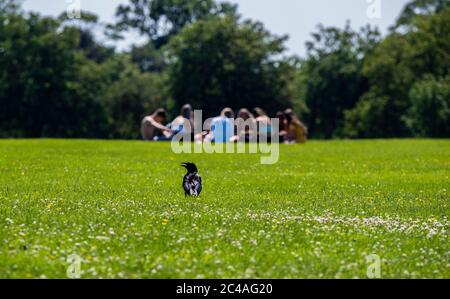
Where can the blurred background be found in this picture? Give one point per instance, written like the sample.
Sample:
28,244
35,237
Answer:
349,69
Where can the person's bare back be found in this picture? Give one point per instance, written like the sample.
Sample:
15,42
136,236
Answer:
152,125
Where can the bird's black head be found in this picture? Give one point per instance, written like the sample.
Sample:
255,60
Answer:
191,168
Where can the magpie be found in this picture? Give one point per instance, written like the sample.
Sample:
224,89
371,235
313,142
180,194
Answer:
192,182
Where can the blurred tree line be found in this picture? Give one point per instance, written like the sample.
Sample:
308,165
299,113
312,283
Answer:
58,80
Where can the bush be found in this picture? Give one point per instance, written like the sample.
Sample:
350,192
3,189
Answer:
429,114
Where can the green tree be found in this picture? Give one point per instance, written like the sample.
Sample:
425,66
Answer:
56,80
429,114
48,88
85,110
417,8
148,58
430,46
35,65
8,7
161,19
333,78
130,96
86,26
222,62
393,68
297,88
379,111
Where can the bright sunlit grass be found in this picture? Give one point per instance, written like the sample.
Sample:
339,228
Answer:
317,213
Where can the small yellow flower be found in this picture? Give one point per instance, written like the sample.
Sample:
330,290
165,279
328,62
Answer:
165,221
49,206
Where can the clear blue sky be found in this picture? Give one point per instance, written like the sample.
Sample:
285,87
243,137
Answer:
297,18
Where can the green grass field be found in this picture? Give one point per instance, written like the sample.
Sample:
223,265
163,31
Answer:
317,213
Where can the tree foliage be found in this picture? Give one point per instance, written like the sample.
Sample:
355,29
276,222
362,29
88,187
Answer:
393,68
58,80
429,113
334,81
161,19
222,62
417,8
130,97
8,7
37,66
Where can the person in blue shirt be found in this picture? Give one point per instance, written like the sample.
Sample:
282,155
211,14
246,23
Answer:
222,127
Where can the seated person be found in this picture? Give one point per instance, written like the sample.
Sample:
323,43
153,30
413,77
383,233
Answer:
246,134
283,138
297,131
205,135
222,129
264,123
184,122
152,127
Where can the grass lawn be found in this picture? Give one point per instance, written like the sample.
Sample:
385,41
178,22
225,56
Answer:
317,213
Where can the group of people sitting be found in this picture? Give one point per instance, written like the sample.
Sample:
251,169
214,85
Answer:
224,128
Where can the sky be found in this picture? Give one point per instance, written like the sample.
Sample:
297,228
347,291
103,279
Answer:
296,18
